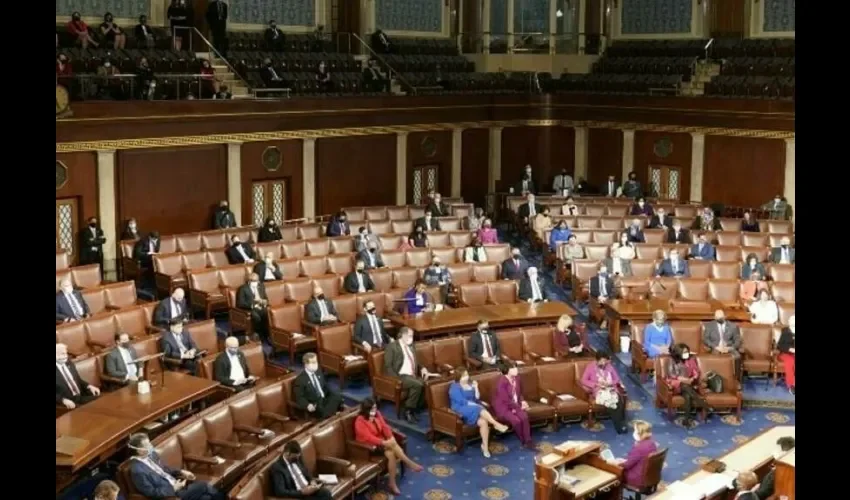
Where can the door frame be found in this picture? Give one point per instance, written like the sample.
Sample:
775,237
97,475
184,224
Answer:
665,179
74,203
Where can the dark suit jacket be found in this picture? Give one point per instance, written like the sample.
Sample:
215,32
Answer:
707,252
609,287
767,485
64,309
162,313
314,314
435,223
363,331
746,272
635,236
126,234
683,237
655,222
786,341
260,269
244,297
349,284
283,484
213,19
525,291
337,228
273,41
268,77
394,360
223,219
609,189
731,335
776,255
364,256
114,363
531,187
91,245
149,483
141,250
305,392
62,389
715,224
476,346
169,345
235,257
666,269
524,211
268,234
511,272
441,210
221,368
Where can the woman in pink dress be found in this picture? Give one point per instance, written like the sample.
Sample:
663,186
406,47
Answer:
601,382
509,406
487,234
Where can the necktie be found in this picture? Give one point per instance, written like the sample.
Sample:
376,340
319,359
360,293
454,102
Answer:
376,331
360,287
516,264
315,380
66,374
722,330
175,309
297,476
675,265
180,345
475,255
531,209
488,352
602,291
78,310
242,252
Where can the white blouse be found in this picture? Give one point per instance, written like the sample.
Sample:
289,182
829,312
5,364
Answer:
764,313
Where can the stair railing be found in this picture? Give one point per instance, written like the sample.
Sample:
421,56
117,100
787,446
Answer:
212,49
390,70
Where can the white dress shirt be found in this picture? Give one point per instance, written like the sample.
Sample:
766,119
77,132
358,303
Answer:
69,379
376,330
128,362
315,380
323,310
242,253
407,365
269,273
297,475
179,343
158,470
535,290
236,371
75,304
176,310
766,313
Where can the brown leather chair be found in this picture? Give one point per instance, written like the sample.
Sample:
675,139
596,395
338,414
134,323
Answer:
731,398
289,268
388,388
693,289
786,310
651,475
286,332
298,290
648,251
341,264
538,411
443,419
169,272
472,295
86,276
538,344
485,272
512,345
240,319
293,249
393,258
204,291
757,345
335,447
782,291
560,379
313,267
334,344
120,295
266,407
227,440
596,411
782,273
502,292
190,242
382,227
451,354
582,271
318,247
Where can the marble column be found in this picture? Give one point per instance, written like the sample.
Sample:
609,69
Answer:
107,207
697,165
457,160
580,148
628,153
234,181
790,191
485,26
553,27
511,27
308,173
580,15
495,162
401,168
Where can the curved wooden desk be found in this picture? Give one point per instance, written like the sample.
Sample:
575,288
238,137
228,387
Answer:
108,420
465,319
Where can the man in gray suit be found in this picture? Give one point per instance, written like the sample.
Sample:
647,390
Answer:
371,256
778,208
120,362
364,238
400,362
783,254
723,337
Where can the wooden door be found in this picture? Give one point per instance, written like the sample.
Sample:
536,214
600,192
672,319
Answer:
67,225
269,198
346,19
726,18
424,180
665,182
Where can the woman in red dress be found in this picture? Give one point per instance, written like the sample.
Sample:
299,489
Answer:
371,429
80,30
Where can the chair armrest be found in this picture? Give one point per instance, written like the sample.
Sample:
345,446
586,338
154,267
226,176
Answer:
359,451
385,384
198,296
333,465
473,363
309,327
276,371
199,459
331,359
110,307
154,330
297,410
97,344
445,369
358,349
533,355
224,444
549,393
274,416
172,361
248,429
162,280
112,380
445,418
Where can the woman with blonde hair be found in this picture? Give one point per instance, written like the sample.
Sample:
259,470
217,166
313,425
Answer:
568,342
634,465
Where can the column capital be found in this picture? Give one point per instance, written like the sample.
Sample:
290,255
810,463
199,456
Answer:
234,143
791,142
106,152
628,131
402,133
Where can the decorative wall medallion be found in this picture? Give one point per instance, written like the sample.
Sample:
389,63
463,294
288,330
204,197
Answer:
429,147
272,159
663,147
61,175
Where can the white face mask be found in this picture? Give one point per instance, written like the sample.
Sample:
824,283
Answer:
373,413
636,436
312,368
67,289
408,341
686,355
62,359
640,203
464,379
107,64
513,372
132,225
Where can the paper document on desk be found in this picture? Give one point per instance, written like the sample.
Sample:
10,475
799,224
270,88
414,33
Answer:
570,480
352,357
547,359
328,478
550,459
608,455
569,445
296,335
566,397
684,491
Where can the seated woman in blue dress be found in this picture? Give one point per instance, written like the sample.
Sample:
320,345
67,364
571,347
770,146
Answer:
657,336
465,400
561,234
417,299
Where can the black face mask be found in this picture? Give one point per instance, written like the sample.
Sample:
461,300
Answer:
478,245
237,243
785,246
92,225
360,269
372,250
436,264
370,311
76,18
321,296
721,321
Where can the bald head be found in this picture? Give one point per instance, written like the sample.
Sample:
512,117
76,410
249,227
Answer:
231,343
318,292
61,353
66,286
178,294
719,315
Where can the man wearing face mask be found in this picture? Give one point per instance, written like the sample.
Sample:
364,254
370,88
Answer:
71,389
108,86
678,235
526,184
529,210
428,222
437,275
602,286
270,76
239,252
631,188
611,188
531,288
153,478
400,362
179,348
274,37
778,208
437,207
660,220
146,248
515,267
723,337
269,232
338,225
91,244
358,281
484,347
320,310
120,363
223,217
364,237
371,256
783,254
230,368
369,331
312,392
291,479
252,297
267,269
674,267
171,308
70,305
563,183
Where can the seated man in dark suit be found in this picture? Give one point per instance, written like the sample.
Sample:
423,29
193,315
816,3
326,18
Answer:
267,269
311,390
223,217
702,249
291,479
428,222
746,483
767,486
230,367
121,361
484,347
71,389
529,209
437,275
635,233
358,281
239,253
660,220
674,266
274,37
437,207
677,234
723,337
320,310
271,78
531,288
602,289
70,305
146,248
171,308
371,256
338,225
515,267
252,297
783,254
153,478
177,344
373,79
369,331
